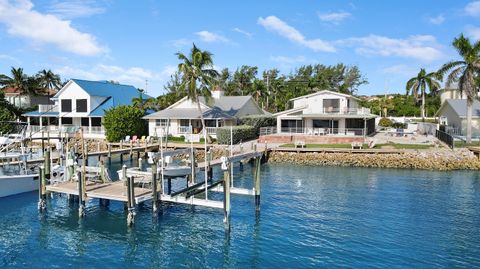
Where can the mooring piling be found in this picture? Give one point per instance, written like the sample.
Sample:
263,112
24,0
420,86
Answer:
131,201
81,194
42,205
226,192
154,189
258,163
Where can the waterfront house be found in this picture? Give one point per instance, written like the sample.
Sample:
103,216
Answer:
453,114
183,117
80,104
324,117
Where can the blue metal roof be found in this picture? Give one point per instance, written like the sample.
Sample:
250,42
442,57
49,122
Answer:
43,114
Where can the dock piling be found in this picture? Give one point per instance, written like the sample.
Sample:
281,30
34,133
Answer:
81,195
226,192
140,164
154,189
131,201
42,205
258,163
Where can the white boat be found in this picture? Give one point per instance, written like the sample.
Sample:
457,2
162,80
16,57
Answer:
15,178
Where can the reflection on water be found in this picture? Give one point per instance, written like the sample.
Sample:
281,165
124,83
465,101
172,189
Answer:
310,217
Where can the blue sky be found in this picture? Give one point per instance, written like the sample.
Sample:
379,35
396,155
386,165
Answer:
134,41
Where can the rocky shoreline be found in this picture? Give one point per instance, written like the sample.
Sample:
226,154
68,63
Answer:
433,159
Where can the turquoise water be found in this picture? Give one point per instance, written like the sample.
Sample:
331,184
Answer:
310,217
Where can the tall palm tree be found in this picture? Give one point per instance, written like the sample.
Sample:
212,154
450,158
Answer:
49,80
420,83
198,76
465,72
18,80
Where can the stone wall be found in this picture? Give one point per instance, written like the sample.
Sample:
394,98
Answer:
437,159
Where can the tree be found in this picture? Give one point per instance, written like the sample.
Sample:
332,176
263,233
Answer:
198,76
49,80
420,83
18,80
121,121
6,115
465,73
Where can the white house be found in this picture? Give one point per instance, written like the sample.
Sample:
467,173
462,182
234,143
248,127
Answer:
326,113
80,104
23,100
453,114
183,117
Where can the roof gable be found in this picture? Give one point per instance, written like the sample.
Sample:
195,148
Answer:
322,92
459,106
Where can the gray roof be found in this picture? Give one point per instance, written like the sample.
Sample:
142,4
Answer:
460,107
219,108
188,113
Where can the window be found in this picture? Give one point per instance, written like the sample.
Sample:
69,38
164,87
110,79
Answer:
85,122
81,105
96,121
66,105
67,120
184,123
161,122
331,104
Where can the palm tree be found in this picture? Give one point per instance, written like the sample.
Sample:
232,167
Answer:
420,83
49,80
465,72
197,68
17,80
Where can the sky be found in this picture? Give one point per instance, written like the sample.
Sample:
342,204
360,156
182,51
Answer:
134,42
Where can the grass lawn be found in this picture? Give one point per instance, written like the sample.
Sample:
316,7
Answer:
462,144
365,146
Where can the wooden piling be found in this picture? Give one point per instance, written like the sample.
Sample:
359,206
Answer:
193,165
140,164
42,206
102,172
109,153
209,169
131,150
131,201
154,189
81,195
258,163
226,197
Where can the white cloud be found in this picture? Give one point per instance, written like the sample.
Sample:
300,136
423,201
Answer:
436,20
334,17
288,60
210,37
473,9
280,27
243,32
9,58
76,8
473,32
21,20
400,69
420,47
182,42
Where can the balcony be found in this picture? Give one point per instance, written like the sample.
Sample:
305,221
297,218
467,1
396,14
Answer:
343,111
313,131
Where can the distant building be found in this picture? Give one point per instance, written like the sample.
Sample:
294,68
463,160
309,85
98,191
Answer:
23,100
80,104
453,114
326,113
183,117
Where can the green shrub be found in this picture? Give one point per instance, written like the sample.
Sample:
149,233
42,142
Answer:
258,121
121,121
399,125
240,133
384,122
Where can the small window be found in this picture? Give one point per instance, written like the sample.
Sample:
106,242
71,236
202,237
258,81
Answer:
96,121
81,105
85,122
184,123
67,120
161,122
66,105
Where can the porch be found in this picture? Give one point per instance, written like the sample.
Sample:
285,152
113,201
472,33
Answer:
179,127
333,126
52,125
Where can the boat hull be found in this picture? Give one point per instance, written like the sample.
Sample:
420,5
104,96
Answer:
16,184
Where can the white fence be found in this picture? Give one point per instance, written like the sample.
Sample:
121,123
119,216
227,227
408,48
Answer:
313,131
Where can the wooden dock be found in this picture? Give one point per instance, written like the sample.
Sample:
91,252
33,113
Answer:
116,191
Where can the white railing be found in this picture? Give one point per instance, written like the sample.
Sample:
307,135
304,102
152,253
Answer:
268,130
47,108
346,111
93,130
211,130
183,130
323,131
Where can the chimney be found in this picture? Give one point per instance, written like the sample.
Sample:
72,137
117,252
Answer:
217,92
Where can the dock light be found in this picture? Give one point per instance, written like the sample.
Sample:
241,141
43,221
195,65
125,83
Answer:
224,163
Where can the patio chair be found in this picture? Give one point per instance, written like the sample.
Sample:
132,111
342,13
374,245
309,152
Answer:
147,140
142,140
300,144
127,139
134,139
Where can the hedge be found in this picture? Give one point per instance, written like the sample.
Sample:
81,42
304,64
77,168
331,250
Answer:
385,122
121,121
258,121
240,133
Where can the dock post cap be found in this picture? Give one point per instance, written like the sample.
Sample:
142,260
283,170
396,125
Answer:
224,160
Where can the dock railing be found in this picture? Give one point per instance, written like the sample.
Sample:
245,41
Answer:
446,138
